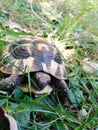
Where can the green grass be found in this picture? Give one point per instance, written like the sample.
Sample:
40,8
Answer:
66,31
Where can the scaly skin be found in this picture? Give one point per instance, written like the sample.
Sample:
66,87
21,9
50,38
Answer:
62,90
10,83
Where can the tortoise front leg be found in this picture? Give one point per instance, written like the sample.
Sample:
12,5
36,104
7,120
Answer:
62,90
10,83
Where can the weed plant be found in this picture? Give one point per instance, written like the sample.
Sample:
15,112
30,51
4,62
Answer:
69,25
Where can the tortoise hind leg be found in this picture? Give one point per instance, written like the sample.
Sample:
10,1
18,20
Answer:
10,83
62,90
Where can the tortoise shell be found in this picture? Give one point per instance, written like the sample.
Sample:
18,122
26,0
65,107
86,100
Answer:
32,54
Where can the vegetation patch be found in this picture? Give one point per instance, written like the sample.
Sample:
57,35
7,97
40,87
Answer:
73,28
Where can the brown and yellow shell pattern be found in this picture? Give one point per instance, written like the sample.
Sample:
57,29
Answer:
32,54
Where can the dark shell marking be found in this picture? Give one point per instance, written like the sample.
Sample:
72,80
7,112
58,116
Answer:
32,54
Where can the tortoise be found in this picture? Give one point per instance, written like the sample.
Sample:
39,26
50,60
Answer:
41,60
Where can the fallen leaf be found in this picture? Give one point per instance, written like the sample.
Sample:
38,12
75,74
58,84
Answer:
68,53
7,121
89,66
